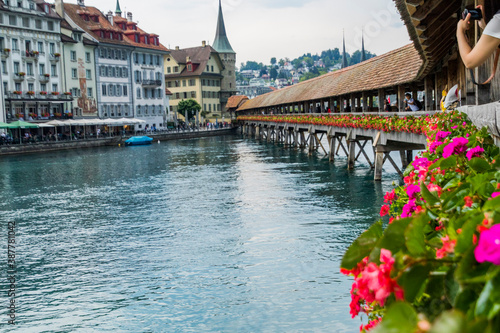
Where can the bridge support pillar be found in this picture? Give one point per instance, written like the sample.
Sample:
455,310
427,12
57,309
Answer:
404,159
257,132
351,158
331,143
312,143
302,140
379,163
269,133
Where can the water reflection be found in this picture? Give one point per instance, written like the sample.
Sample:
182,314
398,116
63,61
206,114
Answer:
207,235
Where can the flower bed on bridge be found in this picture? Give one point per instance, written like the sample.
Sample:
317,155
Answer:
432,262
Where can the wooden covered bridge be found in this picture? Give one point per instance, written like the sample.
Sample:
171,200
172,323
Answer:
425,68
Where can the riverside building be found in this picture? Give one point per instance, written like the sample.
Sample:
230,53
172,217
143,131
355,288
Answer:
129,71
30,46
78,64
205,73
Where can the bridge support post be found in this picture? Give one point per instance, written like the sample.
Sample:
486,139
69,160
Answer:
269,133
331,153
257,132
379,163
302,140
404,159
312,143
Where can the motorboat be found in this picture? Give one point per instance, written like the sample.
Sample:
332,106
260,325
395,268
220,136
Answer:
138,141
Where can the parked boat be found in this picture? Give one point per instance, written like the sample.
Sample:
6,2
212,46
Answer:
138,140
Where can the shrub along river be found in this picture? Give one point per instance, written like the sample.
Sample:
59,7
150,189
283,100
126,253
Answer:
209,235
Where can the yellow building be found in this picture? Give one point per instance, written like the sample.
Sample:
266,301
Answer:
195,73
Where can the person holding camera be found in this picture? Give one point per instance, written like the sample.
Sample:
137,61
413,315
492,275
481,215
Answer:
488,15
411,104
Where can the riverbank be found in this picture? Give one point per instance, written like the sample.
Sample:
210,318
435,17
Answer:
40,147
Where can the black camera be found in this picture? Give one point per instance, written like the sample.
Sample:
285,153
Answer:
476,14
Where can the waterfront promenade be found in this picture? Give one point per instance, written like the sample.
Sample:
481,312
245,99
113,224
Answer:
46,146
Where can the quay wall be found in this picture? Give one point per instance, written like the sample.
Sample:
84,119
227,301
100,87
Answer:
41,147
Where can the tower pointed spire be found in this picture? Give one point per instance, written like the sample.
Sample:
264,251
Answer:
363,53
118,11
221,43
344,55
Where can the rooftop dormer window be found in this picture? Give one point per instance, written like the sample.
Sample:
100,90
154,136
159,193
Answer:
32,5
146,40
19,4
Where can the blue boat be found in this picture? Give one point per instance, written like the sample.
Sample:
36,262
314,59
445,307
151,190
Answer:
139,140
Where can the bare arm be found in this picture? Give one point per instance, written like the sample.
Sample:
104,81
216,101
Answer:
486,46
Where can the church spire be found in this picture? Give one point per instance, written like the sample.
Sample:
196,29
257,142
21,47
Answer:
344,54
221,43
363,53
118,11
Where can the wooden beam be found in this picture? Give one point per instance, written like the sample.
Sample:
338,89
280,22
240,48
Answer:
424,9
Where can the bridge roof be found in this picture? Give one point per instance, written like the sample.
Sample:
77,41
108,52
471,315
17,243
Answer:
388,70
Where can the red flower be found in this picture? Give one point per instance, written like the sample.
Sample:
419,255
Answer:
384,210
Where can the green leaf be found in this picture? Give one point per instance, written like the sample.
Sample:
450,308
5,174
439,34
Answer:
451,286
492,204
413,282
479,165
465,299
464,240
415,236
430,198
488,303
393,238
399,318
448,163
449,322
362,246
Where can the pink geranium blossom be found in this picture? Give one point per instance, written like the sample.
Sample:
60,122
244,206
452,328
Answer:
441,135
488,248
475,152
409,208
448,247
433,146
456,147
384,210
412,191
495,194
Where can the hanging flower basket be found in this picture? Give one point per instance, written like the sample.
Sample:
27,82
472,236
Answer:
46,75
69,114
31,93
67,93
6,50
58,114
45,114
19,115
43,93
21,74
57,55
33,115
55,93
17,92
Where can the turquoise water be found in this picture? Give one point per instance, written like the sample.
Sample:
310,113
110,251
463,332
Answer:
208,235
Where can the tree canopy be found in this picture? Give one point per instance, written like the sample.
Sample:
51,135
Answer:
191,106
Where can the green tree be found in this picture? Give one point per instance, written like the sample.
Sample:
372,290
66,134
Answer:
251,65
282,62
273,74
273,61
190,106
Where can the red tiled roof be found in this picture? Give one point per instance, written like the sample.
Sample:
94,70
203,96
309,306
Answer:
92,27
235,101
199,58
388,70
168,92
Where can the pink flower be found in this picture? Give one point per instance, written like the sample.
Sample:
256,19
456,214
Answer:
412,191
448,247
433,146
421,163
454,127
409,208
495,194
488,248
384,210
475,152
435,188
468,201
441,135
371,325
456,147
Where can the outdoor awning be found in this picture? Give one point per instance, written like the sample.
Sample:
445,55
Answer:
20,124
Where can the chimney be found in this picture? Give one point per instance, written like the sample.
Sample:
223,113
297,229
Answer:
129,16
80,3
203,43
177,48
60,8
188,59
110,17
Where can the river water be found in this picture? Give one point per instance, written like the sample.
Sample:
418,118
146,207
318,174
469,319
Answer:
207,235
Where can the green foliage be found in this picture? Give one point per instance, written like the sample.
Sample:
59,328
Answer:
190,106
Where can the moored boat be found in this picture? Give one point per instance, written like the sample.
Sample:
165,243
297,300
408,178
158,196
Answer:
138,140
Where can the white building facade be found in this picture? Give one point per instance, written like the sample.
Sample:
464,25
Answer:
30,46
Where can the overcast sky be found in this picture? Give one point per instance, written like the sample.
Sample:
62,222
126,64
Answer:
261,29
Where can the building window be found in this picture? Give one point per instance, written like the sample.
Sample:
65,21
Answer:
89,92
212,68
16,67
31,87
87,56
4,67
54,87
29,68
176,69
12,20
183,83
53,70
74,73
41,69
104,91
73,55
88,74
192,83
40,46
38,24
52,48
43,87
15,44
50,26
169,70
26,22
193,94
125,91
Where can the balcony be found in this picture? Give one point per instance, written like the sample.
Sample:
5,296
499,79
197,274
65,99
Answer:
55,57
44,78
26,55
19,77
5,53
151,83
